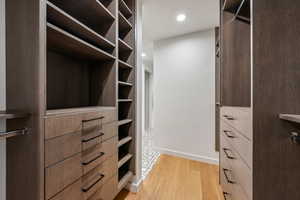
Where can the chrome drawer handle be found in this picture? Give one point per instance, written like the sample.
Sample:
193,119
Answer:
229,117
93,159
92,138
229,134
225,171
228,155
101,176
95,119
226,195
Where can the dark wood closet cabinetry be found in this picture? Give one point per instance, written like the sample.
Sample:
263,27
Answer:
259,124
71,65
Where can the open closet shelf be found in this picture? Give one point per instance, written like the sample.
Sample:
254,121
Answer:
124,100
240,9
123,46
124,121
124,9
87,10
125,179
124,160
59,18
124,24
124,65
9,114
121,83
77,110
291,118
63,42
124,141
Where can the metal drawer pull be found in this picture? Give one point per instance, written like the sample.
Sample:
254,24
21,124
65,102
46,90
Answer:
228,153
229,134
92,138
228,117
295,137
90,120
8,134
227,177
101,176
94,159
226,195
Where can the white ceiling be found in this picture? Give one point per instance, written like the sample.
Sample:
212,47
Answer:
159,18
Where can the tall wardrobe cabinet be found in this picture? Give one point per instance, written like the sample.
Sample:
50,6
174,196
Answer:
71,65
259,97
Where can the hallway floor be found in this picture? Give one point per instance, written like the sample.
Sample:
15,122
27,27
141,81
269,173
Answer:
174,178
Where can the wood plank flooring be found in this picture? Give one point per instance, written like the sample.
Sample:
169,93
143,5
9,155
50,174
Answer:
174,178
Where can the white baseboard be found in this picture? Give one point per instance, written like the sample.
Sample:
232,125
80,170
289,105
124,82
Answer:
188,156
135,186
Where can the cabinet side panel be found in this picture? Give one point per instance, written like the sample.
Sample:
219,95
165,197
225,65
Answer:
25,91
276,89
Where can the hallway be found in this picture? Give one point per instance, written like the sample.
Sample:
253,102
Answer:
174,178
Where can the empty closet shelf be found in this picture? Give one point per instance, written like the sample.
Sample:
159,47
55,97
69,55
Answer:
125,100
124,180
65,43
124,160
60,18
291,118
121,83
124,24
125,121
124,9
123,46
124,141
124,65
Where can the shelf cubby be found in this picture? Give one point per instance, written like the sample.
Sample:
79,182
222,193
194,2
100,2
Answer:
124,122
124,9
231,6
63,42
124,24
124,160
61,19
124,65
123,46
94,15
125,140
124,178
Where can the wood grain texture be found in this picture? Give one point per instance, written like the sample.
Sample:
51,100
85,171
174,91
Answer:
276,78
175,178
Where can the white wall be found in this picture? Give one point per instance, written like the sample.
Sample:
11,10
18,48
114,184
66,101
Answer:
184,93
2,98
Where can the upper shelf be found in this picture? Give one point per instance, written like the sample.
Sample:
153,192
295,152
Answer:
123,46
12,115
90,12
59,18
124,9
240,9
124,24
63,42
291,118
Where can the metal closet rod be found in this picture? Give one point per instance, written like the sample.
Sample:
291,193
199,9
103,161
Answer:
14,133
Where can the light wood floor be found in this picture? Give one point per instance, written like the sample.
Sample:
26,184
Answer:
174,178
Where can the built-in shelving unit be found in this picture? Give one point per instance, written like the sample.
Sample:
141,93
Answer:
126,90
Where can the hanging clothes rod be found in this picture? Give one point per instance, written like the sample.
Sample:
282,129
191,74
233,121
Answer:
9,134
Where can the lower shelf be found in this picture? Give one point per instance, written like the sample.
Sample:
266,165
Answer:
124,181
124,160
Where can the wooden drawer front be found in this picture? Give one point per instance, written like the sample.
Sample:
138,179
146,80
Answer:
92,182
110,167
92,157
243,175
240,144
109,130
108,115
60,148
61,125
240,118
62,174
108,191
71,192
110,147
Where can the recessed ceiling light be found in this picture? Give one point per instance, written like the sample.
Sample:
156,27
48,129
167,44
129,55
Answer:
181,17
144,55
